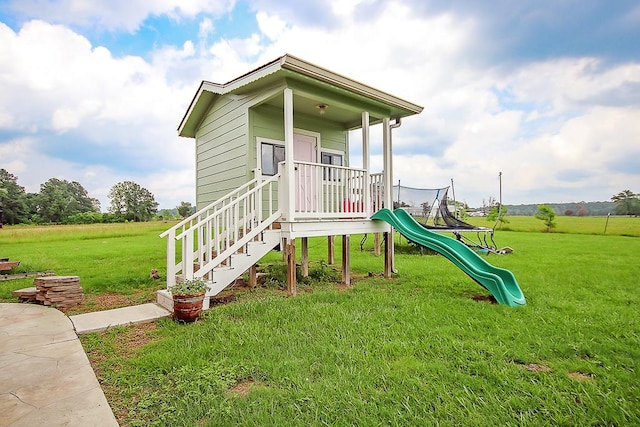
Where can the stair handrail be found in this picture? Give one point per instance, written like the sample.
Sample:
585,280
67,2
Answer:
232,202
209,215
209,206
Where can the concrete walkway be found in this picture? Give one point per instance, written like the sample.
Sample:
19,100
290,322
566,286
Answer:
101,320
45,375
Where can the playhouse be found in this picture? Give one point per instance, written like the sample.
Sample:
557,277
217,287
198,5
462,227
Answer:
272,168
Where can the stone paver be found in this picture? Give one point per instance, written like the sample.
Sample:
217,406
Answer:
45,375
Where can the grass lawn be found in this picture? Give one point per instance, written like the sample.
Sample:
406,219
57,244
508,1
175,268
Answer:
112,260
414,350
616,225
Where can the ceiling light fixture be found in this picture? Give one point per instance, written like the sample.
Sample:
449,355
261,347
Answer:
322,108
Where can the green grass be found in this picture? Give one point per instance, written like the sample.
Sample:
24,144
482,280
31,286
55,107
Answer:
108,257
617,226
414,350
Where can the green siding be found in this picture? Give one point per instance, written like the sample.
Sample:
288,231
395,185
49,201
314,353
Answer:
220,150
267,122
226,150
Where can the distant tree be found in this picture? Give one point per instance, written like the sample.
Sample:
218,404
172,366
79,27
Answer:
461,212
568,212
547,215
626,203
61,199
185,209
165,215
31,208
12,199
426,208
132,202
493,215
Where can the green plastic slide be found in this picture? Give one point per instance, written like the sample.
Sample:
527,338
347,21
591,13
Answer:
500,282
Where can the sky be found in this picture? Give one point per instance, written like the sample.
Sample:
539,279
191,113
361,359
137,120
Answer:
545,92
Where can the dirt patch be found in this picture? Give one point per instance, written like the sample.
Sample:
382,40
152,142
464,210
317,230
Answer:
534,367
579,376
137,336
486,298
343,288
222,299
242,388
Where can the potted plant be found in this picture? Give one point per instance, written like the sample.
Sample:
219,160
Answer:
188,296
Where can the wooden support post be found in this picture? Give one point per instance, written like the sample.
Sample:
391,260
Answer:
388,255
253,276
376,244
283,249
305,257
292,289
331,248
346,260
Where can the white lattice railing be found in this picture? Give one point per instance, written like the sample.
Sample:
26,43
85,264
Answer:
206,239
328,191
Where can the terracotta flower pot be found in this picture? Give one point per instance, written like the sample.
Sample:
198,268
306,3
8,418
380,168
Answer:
187,308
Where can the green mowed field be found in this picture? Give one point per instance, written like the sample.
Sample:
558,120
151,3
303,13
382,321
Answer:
108,258
424,348
615,225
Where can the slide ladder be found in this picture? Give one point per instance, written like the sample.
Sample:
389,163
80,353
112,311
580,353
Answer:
501,283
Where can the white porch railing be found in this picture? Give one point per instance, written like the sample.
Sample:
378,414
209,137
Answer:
328,191
377,191
208,238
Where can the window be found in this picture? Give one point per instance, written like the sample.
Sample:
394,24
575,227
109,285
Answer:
331,159
271,155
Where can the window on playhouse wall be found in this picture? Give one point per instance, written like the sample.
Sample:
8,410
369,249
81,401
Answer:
333,159
271,155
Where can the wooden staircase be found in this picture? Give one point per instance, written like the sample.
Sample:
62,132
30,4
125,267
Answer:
224,239
225,274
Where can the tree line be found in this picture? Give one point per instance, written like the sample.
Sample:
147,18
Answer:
68,202
623,203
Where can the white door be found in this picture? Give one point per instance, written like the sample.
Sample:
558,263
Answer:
304,150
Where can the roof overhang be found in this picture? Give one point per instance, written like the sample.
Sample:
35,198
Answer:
313,85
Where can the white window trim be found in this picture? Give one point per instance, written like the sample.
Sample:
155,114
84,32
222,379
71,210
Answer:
259,141
331,151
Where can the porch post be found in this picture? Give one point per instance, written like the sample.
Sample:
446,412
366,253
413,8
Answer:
388,194
386,153
366,164
330,250
288,150
305,257
253,276
292,289
388,254
346,259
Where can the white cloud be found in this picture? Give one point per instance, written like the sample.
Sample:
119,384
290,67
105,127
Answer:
560,129
205,29
114,15
89,114
569,83
271,26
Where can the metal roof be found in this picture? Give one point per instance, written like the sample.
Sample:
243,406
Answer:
292,71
